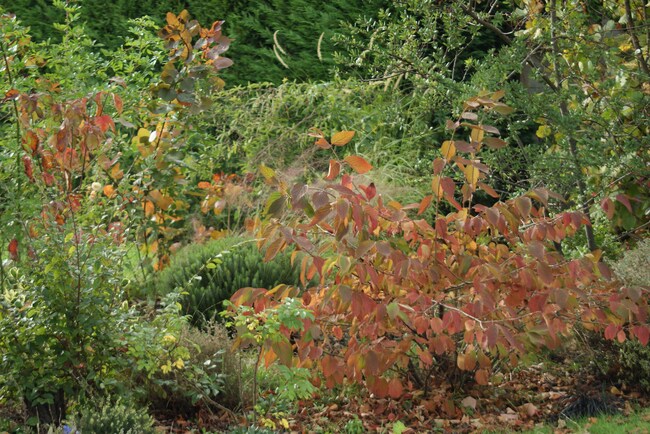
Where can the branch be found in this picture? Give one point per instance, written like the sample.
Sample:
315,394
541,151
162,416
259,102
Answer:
629,25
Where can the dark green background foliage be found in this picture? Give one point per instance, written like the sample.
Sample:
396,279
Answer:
223,266
299,24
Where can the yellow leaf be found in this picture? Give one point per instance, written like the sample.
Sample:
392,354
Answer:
436,187
169,339
179,363
471,173
167,367
342,138
448,149
477,135
267,172
543,131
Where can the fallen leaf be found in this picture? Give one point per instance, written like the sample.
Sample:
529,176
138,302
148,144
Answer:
469,402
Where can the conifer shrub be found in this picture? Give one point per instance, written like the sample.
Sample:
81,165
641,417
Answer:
114,417
210,273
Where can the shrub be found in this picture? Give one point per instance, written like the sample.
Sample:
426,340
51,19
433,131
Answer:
114,417
210,273
633,359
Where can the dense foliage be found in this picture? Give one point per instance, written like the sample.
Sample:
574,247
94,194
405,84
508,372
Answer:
212,272
275,39
426,220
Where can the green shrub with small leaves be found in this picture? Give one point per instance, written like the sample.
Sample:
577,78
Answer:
114,417
633,358
211,273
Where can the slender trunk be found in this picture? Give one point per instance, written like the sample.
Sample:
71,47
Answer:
573,145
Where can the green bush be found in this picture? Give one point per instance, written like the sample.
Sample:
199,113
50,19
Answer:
633,358
211,273
114,417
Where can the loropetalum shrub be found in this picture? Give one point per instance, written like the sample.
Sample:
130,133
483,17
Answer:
399,294
212,272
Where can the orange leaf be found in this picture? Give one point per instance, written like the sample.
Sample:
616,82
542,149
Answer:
342,138
425,204
334,169
13,249
489,190
322,143
109,191
360,165
481,377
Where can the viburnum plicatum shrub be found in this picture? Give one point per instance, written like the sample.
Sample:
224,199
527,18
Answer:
401,295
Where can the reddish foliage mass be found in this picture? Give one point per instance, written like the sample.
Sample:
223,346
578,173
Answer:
401,298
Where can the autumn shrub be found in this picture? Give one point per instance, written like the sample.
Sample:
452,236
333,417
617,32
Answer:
478,285
211,273
70,211
630,361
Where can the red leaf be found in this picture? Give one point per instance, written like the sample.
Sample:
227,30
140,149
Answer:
117,101
30,141
13,249
438,166
395,388
104,122
610,332
11,94
642,334
337,332
360,165
27,162
608,207
625,201
371,191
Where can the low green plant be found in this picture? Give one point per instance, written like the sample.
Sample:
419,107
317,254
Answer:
354,426
114,417
210,273
268,332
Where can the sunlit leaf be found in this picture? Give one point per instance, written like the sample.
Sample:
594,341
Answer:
342,138
359,164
